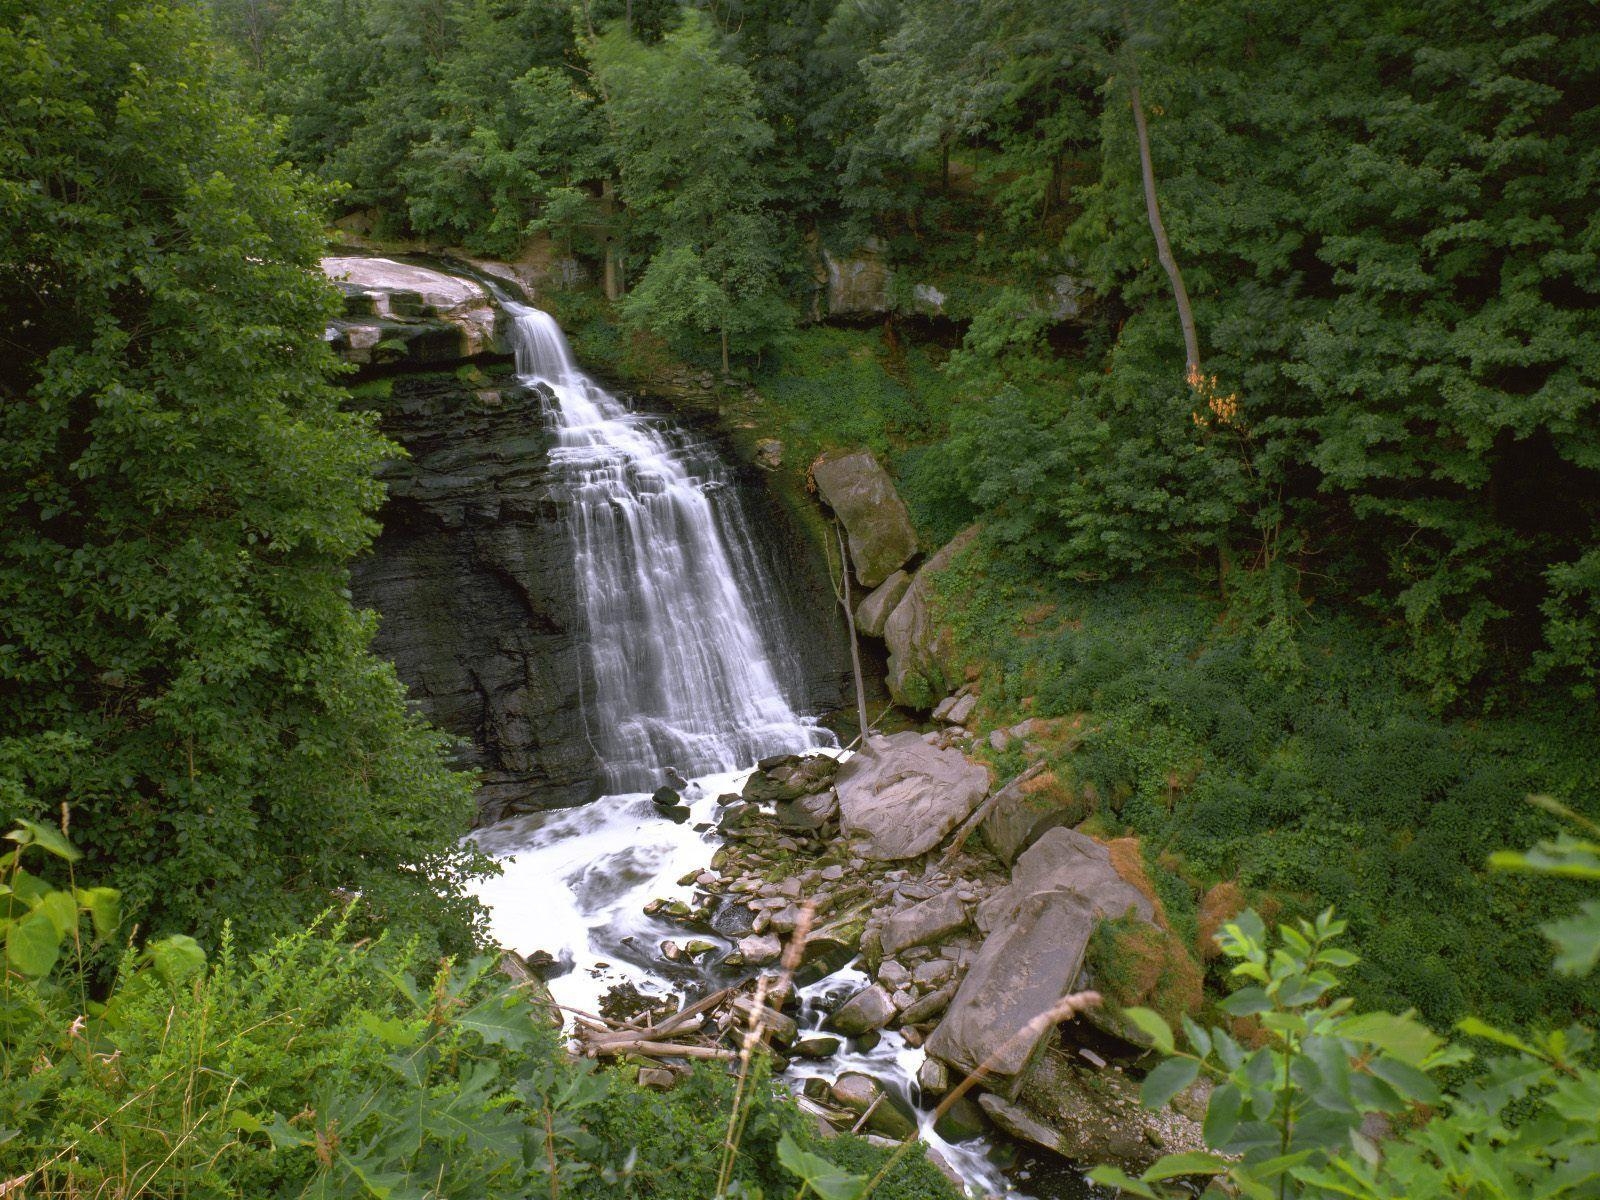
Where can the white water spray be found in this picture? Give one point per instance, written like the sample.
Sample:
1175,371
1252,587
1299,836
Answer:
684,629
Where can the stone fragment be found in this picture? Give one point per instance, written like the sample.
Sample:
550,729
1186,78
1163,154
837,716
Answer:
869,1009
873,612
816,1045
657,1079
861,493
905,796
760,949
929,1006
923,923
933,1077
961,711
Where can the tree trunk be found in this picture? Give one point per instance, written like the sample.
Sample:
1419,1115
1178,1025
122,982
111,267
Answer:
724,351
855,649
613,268
1191,342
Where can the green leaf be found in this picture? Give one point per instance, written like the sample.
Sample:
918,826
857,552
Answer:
1192,1162
1577,939
175,958
1167,1080
46,837
1406,1039
1122,1181
1405,1079
1475,1027
1246,1002
500,1020
32,945
1222,1114
1153,1026
61,911
1577,1099
105,909
820,1175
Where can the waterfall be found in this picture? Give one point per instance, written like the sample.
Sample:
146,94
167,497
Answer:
684,626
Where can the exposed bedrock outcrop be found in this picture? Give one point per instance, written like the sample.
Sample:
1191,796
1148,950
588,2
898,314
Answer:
472,579
863,496
922,656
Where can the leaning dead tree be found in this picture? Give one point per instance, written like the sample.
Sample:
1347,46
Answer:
1152,207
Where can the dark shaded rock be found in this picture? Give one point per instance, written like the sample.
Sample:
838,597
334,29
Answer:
922,665
860,491
666,797
789,778
873,612
808,812
1024,810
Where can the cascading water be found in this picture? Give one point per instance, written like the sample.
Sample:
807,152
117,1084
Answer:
688,659
685,649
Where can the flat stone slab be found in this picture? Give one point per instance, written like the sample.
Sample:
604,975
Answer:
1038,930
1022,969
923,923
905,796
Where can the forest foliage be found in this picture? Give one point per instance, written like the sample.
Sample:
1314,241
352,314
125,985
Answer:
180,492
1386,217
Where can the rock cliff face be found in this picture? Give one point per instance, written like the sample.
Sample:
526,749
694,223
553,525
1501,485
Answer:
472,575
474,587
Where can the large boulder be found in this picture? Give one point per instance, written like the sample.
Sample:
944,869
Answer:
858,285
873,612
906,795
1038,929
1026,808
860,491
922,659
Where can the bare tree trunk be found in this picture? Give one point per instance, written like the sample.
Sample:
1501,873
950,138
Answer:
608,209
1191,341
724,351
855,649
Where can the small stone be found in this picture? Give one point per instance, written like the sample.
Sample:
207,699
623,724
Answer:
690,878
787,844
933,1077
657,1079
999,739
930,1006
892,974
696,947
760,949
671,951
816,1045
867,1011
789,888
931,974
785,920
761,924
904,999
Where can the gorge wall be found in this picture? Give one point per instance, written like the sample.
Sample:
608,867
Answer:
472,575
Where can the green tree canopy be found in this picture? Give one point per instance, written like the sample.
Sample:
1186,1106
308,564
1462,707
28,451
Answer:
180,491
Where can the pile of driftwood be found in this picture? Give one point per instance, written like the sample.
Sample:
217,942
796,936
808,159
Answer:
688,1033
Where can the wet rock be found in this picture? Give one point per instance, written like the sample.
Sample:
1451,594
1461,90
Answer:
789,778
930,1006
905,796
922,923
962,1120
887,1115
758,950
816,1045
808,812
861,493
665,797
869,1009
779,1026
933,1077
873,612
922,655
